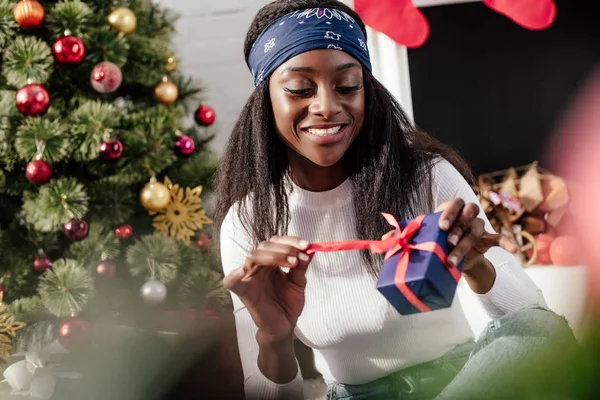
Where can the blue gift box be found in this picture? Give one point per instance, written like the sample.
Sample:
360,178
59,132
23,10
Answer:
426,276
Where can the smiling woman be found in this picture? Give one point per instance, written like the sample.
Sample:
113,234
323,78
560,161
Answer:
319,150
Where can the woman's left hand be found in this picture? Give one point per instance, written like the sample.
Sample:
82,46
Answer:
467,234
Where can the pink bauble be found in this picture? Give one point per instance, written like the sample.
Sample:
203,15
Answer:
543,242
565,251
111,149
107,269
41,264
106,77
185,145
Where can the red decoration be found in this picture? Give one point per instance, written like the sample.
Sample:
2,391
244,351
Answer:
399,19
530,14
68,50
38,172
29,13
106,77
124,231
41,264
107,269
543,242
73,332
33,99
204,115
111,149
76,229
185,145
565,251
203,241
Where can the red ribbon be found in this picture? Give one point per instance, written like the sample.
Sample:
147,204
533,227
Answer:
390,246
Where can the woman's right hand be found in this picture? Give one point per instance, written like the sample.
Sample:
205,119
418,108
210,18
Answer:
273,297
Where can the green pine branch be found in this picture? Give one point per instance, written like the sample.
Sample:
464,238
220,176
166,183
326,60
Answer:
27,59
72,15
146,60
102,44
99,245
154,257
112,202
8,26
198,169
204,287
66,288
56,203
28,309
44,134
89,124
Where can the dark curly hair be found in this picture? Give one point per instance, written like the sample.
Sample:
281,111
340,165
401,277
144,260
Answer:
390,170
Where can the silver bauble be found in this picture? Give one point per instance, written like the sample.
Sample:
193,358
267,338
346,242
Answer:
153,292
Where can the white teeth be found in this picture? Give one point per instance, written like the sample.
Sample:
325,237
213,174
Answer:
325,132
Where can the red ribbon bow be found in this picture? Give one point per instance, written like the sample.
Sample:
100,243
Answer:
391,246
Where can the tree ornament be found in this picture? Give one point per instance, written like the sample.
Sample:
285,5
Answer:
565,251
185,145
203,241
111,149
124,231
183,215
74,331
76,229
171,63
32,99
122,19
166,92
106,77
38,172
68,50
41,263
28,13
155,196
204,115
106,269
153,292
8,329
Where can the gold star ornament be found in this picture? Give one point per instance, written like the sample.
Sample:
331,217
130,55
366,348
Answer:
183,216
8,330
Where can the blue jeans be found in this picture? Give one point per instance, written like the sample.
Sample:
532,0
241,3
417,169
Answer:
494,367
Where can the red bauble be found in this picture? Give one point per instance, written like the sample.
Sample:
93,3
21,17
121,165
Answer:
74,331
107,269
565,251
106,77
38,172
185,145
203,241
124,231
29,13
76,229
543,242
204,115
111,149
68,50
33,99
41,264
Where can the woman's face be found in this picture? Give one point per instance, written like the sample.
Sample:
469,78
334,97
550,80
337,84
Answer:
319,104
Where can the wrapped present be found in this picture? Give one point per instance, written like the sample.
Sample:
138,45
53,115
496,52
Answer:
415,276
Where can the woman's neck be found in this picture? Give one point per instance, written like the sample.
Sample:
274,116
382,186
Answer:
315,178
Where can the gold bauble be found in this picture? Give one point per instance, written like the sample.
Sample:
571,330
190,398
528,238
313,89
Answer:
166,92
155,196
170,63
122,19
29,13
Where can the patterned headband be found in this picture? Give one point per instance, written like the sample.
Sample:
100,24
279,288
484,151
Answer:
304,30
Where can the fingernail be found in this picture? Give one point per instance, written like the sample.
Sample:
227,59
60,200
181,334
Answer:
303,256
445,224
303,244
453,240
292,260
452,260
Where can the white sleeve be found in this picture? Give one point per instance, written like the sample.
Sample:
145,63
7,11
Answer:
235,245
512,289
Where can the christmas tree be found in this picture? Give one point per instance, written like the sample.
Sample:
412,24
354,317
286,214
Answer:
101,181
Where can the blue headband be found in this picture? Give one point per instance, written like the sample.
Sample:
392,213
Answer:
304,30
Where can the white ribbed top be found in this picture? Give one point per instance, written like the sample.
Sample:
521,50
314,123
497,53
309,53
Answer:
356,335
